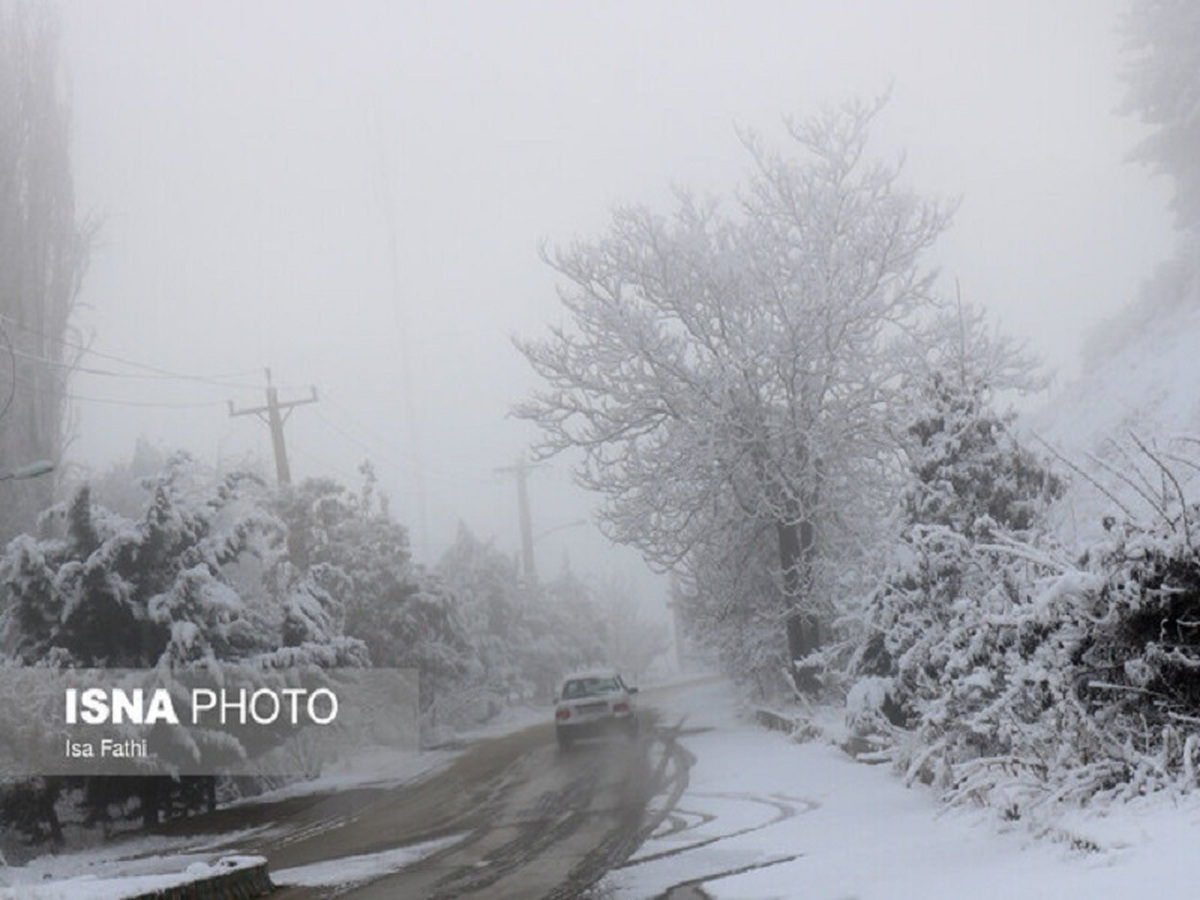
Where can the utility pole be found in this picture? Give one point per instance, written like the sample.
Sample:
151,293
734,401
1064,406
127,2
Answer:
275,420
525,519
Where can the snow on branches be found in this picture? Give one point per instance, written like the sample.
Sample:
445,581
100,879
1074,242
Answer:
727,371
185,582
1009,671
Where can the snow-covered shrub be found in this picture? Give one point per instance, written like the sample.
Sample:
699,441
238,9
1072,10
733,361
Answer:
971,484
112,591
348,567
1082,682
1137,666
195,578
944,638
1008,671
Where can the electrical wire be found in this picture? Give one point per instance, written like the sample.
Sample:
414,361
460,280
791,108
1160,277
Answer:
223,381
435,481
428,472
351,438
26,384
147,372
144,404
12,384
382,442
88,370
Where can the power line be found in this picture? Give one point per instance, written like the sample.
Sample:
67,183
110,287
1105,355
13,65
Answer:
351,438
428,473
222,381
141,404
89,370
26,384
383,442
12,387
322,463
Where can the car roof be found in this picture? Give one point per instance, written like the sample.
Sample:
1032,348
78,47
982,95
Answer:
591,673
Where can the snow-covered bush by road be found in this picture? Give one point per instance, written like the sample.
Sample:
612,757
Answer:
1032,676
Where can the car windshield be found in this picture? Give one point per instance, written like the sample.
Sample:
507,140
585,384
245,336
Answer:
582,687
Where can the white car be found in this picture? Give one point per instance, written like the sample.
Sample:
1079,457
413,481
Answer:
592,704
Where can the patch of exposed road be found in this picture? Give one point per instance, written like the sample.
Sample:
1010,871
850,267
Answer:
535,822
528,820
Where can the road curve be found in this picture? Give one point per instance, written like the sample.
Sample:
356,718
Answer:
533,822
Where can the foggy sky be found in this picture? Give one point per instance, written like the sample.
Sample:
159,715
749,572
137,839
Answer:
241,157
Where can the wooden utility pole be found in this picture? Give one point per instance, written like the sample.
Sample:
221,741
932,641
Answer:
525,519
275,419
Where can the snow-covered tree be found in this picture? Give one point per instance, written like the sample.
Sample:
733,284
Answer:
1050,678
193,579
43,254
522,639
729,606
943,633
635,638
720,367
118,592
359,571
1164,91
489,596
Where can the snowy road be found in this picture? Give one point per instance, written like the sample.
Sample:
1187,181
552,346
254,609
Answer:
515,818
708,805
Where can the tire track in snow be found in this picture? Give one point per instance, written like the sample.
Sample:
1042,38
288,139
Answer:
675,821
784,807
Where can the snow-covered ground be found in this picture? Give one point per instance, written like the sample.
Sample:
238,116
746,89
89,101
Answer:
138,865
805,821
95,875
156,873
1140,383
766,817
359,869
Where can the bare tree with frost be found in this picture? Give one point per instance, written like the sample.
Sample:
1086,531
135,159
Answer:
730,369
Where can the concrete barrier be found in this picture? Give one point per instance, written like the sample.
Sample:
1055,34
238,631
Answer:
774,721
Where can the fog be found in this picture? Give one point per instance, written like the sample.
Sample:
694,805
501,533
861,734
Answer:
246,159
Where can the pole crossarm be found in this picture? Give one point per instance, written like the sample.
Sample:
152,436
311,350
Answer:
275,413
521,471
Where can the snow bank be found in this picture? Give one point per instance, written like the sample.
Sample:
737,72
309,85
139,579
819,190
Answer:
765,817
91,887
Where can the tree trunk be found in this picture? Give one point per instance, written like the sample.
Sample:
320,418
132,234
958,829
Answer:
43,251
151,801
48,801
796,546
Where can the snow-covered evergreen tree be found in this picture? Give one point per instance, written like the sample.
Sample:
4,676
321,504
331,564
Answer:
522,639
923,660
193,580
357,568
1164,90
488,595
1052,678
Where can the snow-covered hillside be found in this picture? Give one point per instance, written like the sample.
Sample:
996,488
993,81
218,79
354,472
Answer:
1140,384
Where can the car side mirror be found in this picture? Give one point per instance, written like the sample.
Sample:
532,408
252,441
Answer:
632,690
